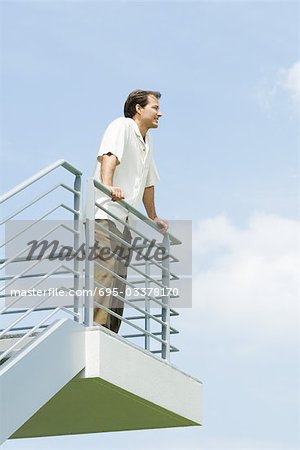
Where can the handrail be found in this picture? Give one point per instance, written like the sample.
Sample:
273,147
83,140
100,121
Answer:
139,233
163,320
136,249
83,306
38,176
136,213
72,206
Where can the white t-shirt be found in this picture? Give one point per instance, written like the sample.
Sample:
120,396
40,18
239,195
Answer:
135,171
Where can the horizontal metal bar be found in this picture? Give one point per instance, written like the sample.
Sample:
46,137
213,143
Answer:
26,314
38,176
157,279
155,315
36,284
143,334
123,280
34,275
35,258
174,312
29,226
22,329
20,311
37,221
13,258
123,319
126,224
72,210
142,311
172,349
134,300
20,275
126,244
142,299
174,260
135,212
144,275
172,274
122,222
19,319
36,199
16,277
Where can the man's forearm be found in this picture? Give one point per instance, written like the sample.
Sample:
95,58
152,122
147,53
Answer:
108,166
148,200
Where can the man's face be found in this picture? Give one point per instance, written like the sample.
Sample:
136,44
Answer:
150,114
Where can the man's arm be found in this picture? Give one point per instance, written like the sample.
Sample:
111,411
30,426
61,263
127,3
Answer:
148,200
108,166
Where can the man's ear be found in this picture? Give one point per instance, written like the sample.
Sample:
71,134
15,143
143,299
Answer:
138,109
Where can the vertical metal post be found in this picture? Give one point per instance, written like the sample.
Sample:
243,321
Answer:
147,306
89,221
77,265
166,300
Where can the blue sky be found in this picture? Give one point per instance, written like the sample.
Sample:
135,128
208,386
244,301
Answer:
227,150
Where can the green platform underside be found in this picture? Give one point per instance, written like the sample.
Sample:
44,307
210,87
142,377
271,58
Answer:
92,405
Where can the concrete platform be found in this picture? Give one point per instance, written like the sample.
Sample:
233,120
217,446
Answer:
122,388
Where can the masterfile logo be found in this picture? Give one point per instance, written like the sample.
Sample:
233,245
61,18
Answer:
46,256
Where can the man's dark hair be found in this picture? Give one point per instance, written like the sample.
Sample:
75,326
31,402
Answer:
137,97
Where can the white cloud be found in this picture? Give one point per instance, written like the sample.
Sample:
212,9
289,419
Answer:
289,79
284,81
252,279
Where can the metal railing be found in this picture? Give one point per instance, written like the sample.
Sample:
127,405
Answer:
21,320
147,319
155,330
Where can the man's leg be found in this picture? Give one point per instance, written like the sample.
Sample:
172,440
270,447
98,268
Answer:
105,278
117,304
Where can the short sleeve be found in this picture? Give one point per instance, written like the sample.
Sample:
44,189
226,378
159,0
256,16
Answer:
152,176
114,139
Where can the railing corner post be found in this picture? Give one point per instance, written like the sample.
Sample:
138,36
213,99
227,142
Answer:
166,299
89,230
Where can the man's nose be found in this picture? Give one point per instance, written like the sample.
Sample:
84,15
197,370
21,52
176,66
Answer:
159,114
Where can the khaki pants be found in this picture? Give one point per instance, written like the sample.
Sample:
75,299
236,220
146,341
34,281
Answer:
106,279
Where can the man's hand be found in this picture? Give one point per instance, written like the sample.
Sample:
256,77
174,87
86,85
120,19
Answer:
162,224
116,193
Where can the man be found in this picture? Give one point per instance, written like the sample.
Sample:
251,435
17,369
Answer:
126,166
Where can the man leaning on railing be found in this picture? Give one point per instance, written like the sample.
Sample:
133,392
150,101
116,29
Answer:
125,165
